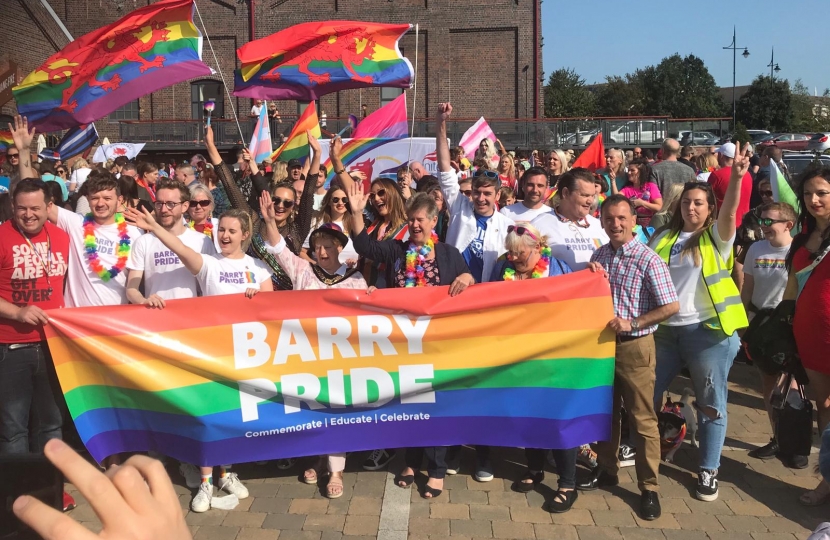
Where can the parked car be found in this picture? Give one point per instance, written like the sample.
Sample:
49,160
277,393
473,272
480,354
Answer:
697,138
819,143
797,163
785,141
635,132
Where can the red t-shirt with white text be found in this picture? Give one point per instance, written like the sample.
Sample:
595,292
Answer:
23,276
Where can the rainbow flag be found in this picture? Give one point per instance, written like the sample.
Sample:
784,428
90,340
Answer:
388,122
352,150
148,49
309,60
507,364
6,140
296,146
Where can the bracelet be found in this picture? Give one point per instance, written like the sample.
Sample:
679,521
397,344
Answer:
341,171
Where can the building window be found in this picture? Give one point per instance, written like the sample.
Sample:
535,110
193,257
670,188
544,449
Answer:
130,111
201,91
389,94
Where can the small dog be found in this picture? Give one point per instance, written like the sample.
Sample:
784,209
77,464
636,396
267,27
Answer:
672,426
687,408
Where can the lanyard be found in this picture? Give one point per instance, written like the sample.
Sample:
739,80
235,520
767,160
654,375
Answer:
46,264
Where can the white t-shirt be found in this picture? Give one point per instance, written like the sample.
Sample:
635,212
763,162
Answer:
256,110
318,201
83,286
570,242
348,252
519,212
79,176
695,303
164,273
220,275
766,266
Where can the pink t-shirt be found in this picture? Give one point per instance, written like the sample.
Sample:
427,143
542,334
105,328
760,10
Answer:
647,192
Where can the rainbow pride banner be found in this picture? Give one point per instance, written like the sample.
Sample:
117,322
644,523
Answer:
231,380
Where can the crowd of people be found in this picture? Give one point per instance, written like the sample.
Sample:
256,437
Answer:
691,243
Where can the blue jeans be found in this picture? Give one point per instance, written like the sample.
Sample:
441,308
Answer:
708,355
30,413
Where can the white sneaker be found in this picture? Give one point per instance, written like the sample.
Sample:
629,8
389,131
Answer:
201,502
192,476
231,484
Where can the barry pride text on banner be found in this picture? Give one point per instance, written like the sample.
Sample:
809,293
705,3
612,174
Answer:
290,374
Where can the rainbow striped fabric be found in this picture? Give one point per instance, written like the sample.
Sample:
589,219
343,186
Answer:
148,49
6,140
505,364
352,150
309,60
296,145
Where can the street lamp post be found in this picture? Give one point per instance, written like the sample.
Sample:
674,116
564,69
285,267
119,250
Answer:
773,67
734,48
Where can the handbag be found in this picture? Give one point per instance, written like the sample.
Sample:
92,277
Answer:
794,425
769,341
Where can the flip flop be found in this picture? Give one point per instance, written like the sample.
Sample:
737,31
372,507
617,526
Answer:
310,479
334,482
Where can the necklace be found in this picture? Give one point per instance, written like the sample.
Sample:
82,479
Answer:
91,248
540,270
208,227
415,258
46,264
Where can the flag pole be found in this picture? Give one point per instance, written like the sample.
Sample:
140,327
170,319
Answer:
221,75
414,96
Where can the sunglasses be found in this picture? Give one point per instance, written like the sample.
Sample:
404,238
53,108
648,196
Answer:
765,193
285,203
338,200
521,231
488,173
768,222
13,156
169,204
61,171
204,203
378,193
467,192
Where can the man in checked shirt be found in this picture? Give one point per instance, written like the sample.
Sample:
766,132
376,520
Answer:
643,296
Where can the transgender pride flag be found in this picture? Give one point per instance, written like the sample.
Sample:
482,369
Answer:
472,137
260,146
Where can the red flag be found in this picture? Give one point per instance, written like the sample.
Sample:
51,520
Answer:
593,157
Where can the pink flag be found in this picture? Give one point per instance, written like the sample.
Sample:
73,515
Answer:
472,137
388,122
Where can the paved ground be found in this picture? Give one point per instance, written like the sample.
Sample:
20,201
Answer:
758,500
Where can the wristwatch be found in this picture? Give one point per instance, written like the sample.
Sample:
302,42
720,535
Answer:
635,325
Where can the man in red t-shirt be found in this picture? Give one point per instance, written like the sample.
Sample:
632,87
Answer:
719,180
33,261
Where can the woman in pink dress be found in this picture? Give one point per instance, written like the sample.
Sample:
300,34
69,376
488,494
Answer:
326,242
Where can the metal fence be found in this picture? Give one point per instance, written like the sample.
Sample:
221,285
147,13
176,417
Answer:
646,132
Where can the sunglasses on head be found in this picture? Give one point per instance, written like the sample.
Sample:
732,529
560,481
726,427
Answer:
488,173
337,200
521,231
769,222
765,193
378,193
286,203
204,204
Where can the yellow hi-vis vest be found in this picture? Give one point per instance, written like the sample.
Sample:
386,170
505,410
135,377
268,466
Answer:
717,275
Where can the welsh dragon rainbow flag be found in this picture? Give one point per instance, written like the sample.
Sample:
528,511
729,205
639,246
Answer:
299,373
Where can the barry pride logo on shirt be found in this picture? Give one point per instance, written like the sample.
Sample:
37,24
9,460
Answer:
237,278
165,258
583,244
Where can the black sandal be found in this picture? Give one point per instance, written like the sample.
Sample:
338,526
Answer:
432,492
407,480
526,487
568,497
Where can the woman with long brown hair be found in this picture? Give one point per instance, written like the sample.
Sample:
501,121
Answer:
333,209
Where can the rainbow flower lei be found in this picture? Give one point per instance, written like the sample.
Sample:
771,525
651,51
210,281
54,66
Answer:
91,248
208,230
540,270
415,262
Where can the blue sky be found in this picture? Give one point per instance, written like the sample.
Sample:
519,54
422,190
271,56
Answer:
625,35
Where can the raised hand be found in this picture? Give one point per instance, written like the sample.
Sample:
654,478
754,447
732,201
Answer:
246,154
357,199
740,165
313,142
335,147
444,112
143,220
209,142
21,135
266,206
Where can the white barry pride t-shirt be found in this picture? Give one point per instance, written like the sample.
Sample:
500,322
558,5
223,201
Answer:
83,286
519,212
220,275
695,303
766,265
571,242
164,273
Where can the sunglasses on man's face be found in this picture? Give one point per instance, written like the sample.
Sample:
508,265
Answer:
285,203
61,171
204,204
467,192
768,222
765,193
378,193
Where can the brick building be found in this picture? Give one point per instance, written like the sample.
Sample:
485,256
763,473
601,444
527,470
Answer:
484,55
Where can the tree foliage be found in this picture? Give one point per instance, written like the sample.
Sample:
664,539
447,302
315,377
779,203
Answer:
806,110
620,96
567,96
768,104
680,88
